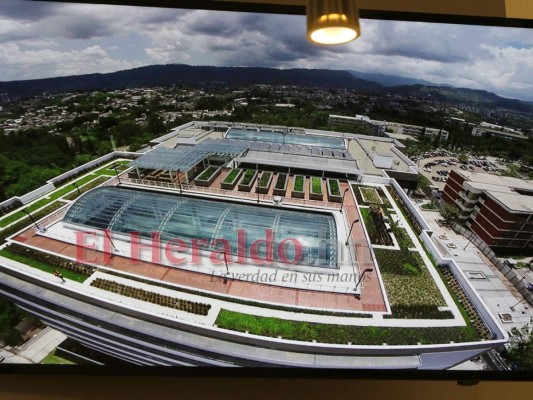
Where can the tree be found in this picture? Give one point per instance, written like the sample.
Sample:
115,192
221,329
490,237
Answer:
520,351
10,316
155,124
424,184
463,158
449,212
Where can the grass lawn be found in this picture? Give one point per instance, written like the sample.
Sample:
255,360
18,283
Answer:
370,195
299,184
330,333
369,224
428,206
334,187
231,176
406,279
248,175
75,194
63,190
280,183
53,359
316,185
265,179
105,171
58,193
208,172
67,274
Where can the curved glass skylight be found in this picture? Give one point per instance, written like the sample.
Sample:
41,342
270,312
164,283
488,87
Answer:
289,138
124,210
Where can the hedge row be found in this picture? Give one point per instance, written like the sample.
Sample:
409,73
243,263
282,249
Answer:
152,297
56,261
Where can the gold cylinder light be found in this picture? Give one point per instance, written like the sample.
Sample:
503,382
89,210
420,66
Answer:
332,21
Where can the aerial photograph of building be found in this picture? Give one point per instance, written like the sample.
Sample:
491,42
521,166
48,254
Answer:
154,213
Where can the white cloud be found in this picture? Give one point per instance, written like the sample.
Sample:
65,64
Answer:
51,39
29,64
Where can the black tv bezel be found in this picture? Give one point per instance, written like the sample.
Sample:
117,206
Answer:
462,377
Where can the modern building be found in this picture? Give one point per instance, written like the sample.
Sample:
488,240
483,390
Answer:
345,121
383,128
199,242
503,132
498,209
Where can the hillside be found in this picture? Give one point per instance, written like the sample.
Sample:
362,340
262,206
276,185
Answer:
480,98
390,80
167,75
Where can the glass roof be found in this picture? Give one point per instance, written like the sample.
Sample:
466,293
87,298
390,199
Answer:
124,210
220,146
185,158
168,159
289,138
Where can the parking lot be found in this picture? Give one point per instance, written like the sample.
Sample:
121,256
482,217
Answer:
436,166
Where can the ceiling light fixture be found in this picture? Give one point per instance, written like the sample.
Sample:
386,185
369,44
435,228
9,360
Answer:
332,21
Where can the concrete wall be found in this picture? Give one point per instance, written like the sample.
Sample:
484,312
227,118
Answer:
412,208
91,164
37,193
375,179
9,203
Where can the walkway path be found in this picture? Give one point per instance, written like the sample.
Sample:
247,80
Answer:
35,349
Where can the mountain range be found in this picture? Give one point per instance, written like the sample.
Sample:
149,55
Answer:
167,75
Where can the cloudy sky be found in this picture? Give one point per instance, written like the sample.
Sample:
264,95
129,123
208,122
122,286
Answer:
40,40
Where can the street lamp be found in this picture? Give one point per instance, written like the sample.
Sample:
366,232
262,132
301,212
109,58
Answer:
110,241
368,270
227,269
115,168
350,233
343,195
31,218
179,181
76,186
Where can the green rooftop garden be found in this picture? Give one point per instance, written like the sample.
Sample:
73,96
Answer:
316,185
299,183
330,333
232,175
43,266
334,187
280,183
265,178
248,175
370,195
58,193
208,172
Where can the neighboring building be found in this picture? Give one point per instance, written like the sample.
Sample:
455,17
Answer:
382,128
435,132
498,209
342,121
504,133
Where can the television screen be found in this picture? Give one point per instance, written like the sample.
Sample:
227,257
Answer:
186,187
